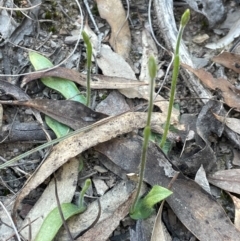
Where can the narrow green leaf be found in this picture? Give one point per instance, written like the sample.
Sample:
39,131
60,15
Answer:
144,206
89,62
58,128
53,221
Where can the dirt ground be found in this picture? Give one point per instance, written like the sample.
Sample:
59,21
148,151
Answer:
203,143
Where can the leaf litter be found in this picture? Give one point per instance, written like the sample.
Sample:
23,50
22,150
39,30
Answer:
195,198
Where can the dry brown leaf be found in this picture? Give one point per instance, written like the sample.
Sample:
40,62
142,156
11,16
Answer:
101,131
236,202
228,180
71,113
229,60
17,93
159,230
66,185
232,123
229,92
97,81
114,13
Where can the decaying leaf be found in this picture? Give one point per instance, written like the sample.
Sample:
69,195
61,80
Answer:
232,123
71,113
159,230
236,202
229,92
97,81
114,104
229,60
114,13
17,93
196,209
201,179
66,179
228,180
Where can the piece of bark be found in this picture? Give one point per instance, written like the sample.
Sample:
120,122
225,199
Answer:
24,132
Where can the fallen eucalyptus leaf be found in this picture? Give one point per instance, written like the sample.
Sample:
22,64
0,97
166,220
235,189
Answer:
232,123
229,60
159,230
114,14
236,202
226,179
229,92
68,112
17,93
66,176
97,81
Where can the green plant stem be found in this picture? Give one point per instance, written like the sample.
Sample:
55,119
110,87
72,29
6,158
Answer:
82,193
176,65
147,132
89,62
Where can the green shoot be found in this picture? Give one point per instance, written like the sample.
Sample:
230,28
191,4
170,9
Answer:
152,66
89,62
142,207
53,221
176,64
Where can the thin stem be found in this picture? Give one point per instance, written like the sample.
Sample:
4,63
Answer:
89,62
82,193
176,65
147,131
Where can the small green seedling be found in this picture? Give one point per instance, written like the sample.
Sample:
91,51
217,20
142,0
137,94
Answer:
89,62
142,207
66,87
176,64
53,222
